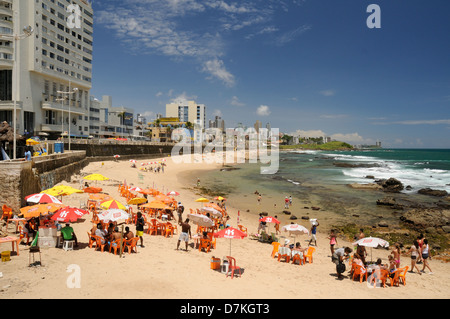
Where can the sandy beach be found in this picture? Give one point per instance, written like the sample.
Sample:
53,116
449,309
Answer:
160,271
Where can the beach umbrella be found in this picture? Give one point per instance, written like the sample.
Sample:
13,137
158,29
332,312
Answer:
116,156
200,220
112,204
102,197
96,177
136,201
295,229
202,200
39,209
69,214
155,205
113,215
231,233
92,190
211,211
147,191
42,198
219,198
270,219
135,189
133,161
215,206
31,141
372,242
173,193
61,190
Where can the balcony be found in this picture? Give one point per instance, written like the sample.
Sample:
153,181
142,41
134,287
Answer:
51,128
9,105
54,106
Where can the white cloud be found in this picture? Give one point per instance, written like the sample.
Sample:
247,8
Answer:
351,138
334,116
291,35
263,110
235,101
159,94
424,122
217,70
183,98
328,92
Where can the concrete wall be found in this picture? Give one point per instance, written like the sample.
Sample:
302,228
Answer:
22,178
109,150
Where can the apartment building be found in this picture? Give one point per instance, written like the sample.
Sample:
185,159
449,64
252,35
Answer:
187,111
54,66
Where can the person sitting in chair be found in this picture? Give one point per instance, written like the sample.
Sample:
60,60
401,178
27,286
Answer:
68,234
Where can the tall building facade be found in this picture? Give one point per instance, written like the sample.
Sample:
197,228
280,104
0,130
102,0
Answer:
54,60
187,111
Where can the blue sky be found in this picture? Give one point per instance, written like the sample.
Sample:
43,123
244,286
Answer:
302,65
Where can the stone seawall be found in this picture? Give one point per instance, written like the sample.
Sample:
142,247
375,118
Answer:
22,178
109,150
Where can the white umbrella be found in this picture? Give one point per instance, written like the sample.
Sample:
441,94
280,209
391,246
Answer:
200,220
113,215
211,211
295,229
372,242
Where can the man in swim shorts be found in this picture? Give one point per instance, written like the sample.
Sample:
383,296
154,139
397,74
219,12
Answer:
185,233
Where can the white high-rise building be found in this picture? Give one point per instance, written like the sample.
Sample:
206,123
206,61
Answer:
56,58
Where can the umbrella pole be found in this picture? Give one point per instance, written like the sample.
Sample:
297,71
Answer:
121,244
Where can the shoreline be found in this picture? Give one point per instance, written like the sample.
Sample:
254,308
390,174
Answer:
159,270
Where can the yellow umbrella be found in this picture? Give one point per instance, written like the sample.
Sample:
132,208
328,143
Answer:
30,141
112,204
136,201
61,190
96,177
202,200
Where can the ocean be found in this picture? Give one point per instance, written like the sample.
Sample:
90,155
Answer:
317,178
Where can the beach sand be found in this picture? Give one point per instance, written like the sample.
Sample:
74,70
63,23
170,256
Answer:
160,271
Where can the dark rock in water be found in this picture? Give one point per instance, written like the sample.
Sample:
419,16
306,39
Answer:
391,185
293,217
408,188
383,224
229,169
306,207
248,210
315,208
355,215
305,217
432,192
286,212
370,176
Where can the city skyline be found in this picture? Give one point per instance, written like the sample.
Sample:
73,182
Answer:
308,66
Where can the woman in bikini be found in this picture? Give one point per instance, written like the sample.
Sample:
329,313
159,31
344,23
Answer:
396,253
414,250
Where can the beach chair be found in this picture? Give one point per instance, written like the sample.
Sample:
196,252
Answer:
115,245
34,249
284,252
92,240
131,245
276,246
7,212
379,275
297,256
99,244
399,276
309,255
242,228
168,231
232,267
204,244
359,271
23,234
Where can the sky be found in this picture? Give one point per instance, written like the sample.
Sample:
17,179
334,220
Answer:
307,66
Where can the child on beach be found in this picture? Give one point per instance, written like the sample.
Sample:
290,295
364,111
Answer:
313,233
414,250
333,241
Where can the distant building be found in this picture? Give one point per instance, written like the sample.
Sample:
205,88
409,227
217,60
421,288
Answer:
257,126
187,111
161,129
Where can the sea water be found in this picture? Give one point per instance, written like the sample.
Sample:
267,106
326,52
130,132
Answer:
313,179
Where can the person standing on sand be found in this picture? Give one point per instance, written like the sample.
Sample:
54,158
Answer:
140,222
286,202
313,233
414,250
185,234
333,241
425,252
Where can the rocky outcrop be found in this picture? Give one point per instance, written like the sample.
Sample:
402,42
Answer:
391,185
370,186
433,192
423,219
352,165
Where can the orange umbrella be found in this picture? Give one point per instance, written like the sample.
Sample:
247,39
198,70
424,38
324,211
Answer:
155,205
93,190
40,209
147,191
103,197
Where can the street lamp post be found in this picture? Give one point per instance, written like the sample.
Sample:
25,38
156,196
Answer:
71,91
27,31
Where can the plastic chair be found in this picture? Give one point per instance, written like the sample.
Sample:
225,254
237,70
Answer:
99,244
399,275
276,246
309,255
152,227
359,271
206,244
115,245
7,212
232,267
379,275
92,240
169,230
212,239
131,244
297,255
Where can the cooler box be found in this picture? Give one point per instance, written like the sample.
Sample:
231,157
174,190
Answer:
215,263
224,267
59,147
48,231
47,242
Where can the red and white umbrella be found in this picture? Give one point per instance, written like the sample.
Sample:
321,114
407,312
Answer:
173,193
116,156
69,214
231,233
211,211
135,189
113,215
42,198
133,161
295,229
270,219
372,242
